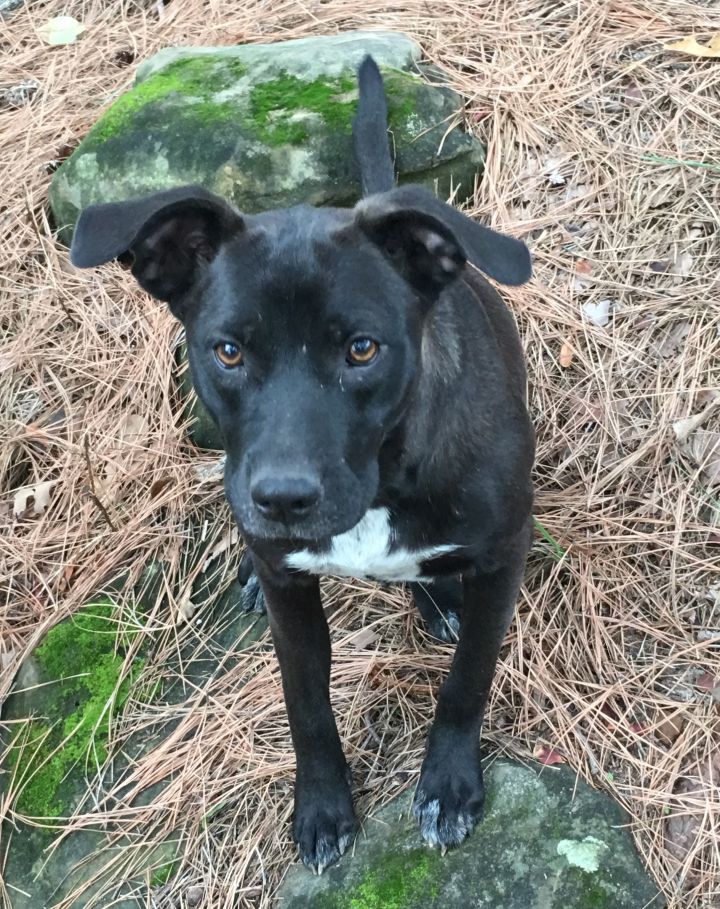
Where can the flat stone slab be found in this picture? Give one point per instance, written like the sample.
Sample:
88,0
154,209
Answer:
64,686
548,841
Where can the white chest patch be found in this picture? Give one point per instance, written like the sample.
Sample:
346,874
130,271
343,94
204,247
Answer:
367,551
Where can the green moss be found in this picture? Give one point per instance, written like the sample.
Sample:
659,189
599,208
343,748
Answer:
596,898
399,91
398,881
80,654
273,104
196,77
163,874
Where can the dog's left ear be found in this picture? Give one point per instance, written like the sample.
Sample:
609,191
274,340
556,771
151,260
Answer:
430,241
167,237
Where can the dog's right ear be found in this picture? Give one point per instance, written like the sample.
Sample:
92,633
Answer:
168,237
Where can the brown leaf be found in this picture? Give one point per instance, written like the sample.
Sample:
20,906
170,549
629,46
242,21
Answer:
228,540
36,496
548,756
708,682
185,607
669,727
693,47
567,355
703,447
66,577
698,785
159,485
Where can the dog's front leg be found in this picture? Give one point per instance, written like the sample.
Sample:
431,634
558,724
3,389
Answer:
323,822
450,793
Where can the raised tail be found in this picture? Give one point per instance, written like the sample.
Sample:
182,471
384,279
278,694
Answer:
370,138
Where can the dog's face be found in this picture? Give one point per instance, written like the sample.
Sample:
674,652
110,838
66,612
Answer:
303,343
304,329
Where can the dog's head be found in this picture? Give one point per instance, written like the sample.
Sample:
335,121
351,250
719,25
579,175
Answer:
304,331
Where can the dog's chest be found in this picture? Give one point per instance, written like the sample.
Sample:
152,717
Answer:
368,550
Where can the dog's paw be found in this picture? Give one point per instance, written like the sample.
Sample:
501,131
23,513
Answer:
444,626
323,827
252,599
449,800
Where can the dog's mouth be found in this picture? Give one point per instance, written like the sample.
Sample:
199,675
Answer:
311,530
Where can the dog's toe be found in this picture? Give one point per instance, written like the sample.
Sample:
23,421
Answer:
445,626
449,802
252,598
323,830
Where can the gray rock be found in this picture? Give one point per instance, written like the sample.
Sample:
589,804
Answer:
7,6
64,683
547,842
265,126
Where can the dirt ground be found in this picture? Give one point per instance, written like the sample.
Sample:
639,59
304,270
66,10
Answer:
603,155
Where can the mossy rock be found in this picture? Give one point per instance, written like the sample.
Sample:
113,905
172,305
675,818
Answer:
548,841
265,126
58,726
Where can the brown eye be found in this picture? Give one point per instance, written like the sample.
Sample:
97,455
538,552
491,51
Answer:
362,351
228,355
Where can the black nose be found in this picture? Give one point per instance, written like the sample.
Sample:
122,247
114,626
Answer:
284,497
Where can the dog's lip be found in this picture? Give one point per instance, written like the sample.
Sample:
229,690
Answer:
294,536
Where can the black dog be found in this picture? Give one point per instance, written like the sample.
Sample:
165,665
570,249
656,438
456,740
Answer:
369,386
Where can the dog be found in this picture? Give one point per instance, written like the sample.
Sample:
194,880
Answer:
369,387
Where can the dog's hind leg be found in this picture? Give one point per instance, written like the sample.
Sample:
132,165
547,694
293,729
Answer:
252,598
439,602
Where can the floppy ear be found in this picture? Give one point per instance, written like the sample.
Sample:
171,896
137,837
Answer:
503,258
167,237
420,247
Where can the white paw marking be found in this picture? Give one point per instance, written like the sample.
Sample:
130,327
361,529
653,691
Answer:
367,551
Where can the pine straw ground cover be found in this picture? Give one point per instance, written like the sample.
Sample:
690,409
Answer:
604,154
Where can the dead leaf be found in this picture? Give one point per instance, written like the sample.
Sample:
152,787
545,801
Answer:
38,496
683,428
598,313
693,47
660,266
690,795
7,659
682,266
634,93
131,427
213,472
548,756
673,340
228,540
66,577
130,434
185,607
669,727
709,683
363,638
60,30
158,486
703,447
583,266
567,355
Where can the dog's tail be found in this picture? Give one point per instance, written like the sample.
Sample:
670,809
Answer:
370,138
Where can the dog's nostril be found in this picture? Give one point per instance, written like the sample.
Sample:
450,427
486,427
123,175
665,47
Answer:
285,498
